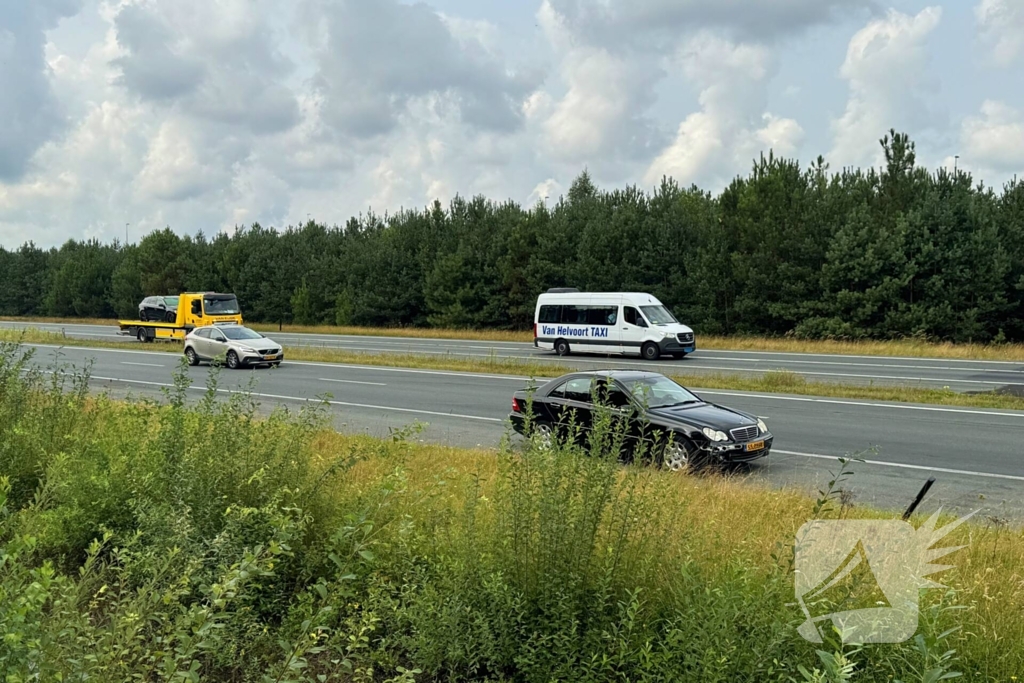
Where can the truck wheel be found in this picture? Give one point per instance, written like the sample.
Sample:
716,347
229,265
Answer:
142,335
562,347
232,360
191,357
650,351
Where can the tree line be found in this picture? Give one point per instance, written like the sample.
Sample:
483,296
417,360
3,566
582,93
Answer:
891,252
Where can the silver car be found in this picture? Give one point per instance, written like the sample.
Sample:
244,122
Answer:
234,345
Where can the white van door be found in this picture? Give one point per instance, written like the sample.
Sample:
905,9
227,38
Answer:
633,330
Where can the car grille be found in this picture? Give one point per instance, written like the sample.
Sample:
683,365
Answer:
267,351
685,337
744,433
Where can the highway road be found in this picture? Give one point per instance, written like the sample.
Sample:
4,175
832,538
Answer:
976,455
958,375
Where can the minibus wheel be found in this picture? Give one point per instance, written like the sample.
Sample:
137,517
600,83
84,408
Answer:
650,351
562,347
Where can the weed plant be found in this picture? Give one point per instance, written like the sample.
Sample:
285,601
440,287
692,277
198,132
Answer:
193,541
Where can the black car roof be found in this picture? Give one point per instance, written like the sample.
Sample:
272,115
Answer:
620,375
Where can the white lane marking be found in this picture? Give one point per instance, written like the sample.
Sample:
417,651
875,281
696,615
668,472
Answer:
946,470
147,365
901,406
350,381
307,400
514,378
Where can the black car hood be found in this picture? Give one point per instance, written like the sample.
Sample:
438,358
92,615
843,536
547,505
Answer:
703,415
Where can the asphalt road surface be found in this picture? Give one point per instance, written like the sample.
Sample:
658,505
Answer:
976,455
958,375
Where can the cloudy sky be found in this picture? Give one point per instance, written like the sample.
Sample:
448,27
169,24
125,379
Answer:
206,114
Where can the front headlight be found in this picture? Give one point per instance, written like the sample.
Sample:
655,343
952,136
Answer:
762,426
715,435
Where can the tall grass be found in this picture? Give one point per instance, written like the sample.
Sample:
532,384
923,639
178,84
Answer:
192,541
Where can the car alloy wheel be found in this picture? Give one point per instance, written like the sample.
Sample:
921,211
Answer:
232,360
191,357
544,435
676,456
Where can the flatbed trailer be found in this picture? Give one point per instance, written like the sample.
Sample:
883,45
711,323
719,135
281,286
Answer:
195,309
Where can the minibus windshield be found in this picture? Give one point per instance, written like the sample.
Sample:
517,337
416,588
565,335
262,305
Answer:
659,315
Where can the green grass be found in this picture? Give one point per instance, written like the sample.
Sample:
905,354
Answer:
778,382
913,348
193,541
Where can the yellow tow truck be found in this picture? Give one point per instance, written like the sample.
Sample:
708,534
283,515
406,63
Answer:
195,309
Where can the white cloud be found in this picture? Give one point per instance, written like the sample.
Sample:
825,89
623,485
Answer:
732,126
1001,23
885,66
29,112
995,139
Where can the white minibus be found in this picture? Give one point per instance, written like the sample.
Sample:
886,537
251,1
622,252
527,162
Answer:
568,321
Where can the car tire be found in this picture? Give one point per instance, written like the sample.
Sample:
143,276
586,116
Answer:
678,455
232,360
650,351
544,434
142,316
191,357
562,347
142,335
170,317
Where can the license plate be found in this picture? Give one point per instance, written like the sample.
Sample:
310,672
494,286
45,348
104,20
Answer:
755,445
269,357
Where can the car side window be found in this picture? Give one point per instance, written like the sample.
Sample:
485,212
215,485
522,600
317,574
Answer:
633,317
617,398
578,390
559,391
204,334
217,335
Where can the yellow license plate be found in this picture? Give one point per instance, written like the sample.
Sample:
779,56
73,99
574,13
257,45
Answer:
269,357
755,445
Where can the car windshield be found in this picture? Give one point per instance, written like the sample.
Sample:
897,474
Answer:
221,305
171,301
660,392
659,315
239,333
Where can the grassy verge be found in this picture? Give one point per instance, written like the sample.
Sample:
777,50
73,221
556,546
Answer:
912,348
769,382
193,541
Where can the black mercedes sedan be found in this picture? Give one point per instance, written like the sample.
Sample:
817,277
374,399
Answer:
678,427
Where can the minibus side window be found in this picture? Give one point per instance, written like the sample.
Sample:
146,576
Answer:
574,315
602,315
633,317
550,314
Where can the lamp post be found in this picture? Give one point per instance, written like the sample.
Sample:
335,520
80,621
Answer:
956,158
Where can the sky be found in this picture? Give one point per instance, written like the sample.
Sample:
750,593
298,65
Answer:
204,115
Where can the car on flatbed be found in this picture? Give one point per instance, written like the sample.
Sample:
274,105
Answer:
163,309
673,425
236,346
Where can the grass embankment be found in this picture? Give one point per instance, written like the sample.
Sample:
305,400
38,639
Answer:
768,382
193,541
911,348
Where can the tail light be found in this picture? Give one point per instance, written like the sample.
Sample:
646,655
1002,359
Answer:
515,405
535,330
